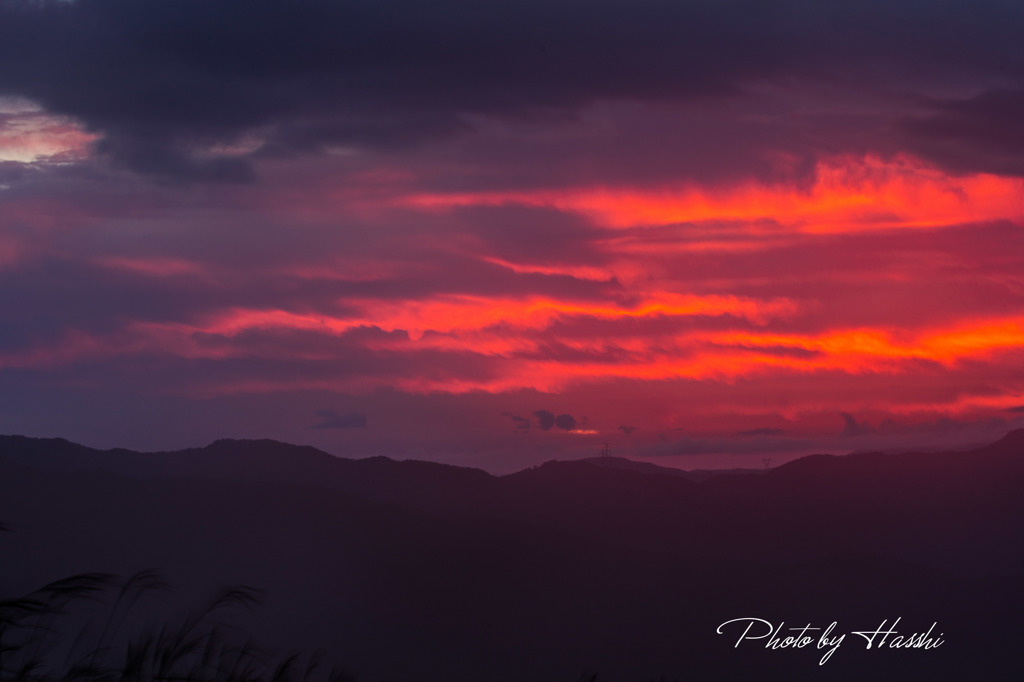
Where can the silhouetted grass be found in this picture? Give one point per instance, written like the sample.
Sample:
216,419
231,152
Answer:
45,638
41,640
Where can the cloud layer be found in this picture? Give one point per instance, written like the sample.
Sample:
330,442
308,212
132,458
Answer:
731,226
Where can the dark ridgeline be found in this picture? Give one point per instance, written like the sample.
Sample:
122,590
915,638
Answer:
422,571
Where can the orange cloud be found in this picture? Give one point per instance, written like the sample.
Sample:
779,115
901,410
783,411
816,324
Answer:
720,319
846,196
460,314
519,355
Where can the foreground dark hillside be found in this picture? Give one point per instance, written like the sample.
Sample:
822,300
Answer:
420,571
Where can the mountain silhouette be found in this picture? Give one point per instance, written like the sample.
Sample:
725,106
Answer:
411,570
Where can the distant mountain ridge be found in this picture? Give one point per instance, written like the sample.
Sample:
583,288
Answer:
255,460
734,514
270,459
423,571
650,468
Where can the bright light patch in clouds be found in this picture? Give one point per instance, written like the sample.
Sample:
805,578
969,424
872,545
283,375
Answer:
29,135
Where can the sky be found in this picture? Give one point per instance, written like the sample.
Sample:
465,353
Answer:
495,234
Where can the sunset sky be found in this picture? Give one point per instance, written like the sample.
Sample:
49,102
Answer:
498,233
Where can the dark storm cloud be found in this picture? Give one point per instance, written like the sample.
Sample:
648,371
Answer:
163,81
329,419
545,419
712,140
156,156
980,134
566,422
